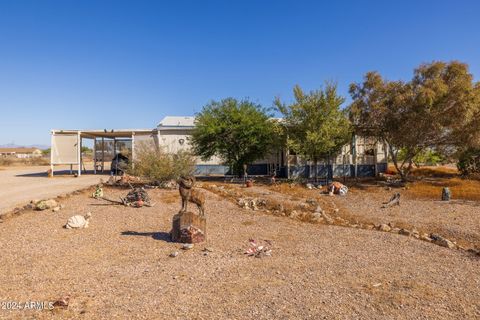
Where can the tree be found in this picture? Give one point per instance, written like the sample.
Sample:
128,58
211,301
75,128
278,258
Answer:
239,132
316,125
432,111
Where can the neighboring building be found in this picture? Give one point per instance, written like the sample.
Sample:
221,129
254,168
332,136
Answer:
362,157
21,152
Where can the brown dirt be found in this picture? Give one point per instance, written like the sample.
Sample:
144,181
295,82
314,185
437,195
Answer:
120,268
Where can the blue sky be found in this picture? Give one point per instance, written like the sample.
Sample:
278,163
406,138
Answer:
127,64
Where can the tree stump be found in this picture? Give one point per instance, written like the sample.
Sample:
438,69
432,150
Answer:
189,227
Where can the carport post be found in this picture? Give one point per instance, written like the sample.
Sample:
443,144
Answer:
94,155
79,153
133,150
51,149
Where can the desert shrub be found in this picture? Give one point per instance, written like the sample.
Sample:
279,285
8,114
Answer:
469,162
40,161
157,165
6,162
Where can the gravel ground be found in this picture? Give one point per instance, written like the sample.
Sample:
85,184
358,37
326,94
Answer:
119,268
456,220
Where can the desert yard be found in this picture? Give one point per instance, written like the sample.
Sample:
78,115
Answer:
120,267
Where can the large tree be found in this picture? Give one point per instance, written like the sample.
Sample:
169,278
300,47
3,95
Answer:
435,110
316,125
239,132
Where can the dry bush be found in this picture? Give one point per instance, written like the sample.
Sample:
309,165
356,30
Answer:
156,165
6,162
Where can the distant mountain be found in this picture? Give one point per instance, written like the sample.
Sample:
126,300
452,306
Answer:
12,145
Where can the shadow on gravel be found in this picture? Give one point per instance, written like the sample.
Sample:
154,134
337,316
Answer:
164,236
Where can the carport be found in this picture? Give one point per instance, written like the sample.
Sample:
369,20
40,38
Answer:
66,146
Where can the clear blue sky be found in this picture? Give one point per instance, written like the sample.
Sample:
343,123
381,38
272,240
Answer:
127,64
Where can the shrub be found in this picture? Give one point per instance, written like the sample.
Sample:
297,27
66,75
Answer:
156,165
6,162
469,162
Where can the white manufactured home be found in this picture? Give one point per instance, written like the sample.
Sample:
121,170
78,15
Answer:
362,157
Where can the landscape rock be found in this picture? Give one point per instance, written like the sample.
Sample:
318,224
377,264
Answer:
327,218
173,254
316,217
45,204
187,246
405,232
384,227
309,186
441,241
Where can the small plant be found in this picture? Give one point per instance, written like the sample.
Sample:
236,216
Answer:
156,165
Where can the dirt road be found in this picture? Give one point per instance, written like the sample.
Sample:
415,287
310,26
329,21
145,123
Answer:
20,185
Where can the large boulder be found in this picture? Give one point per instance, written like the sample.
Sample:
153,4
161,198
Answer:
189,227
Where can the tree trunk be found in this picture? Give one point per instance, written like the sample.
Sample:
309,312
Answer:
316,171
395,163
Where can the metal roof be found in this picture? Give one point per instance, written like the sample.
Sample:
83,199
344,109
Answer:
106,133
177,122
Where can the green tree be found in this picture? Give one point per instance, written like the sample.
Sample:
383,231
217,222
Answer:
316,125
239,132
432,111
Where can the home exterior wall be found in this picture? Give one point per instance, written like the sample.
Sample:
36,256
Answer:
362,157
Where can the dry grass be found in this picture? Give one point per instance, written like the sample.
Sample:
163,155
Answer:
7,162
462,189
432,171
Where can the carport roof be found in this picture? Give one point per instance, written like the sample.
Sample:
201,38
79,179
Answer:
112,133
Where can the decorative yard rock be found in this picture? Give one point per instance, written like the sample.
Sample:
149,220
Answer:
446,194
309,186
405,232
78,221
56,209
187,246
384,227
45,204
441,241
188,227
316,217
327,218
